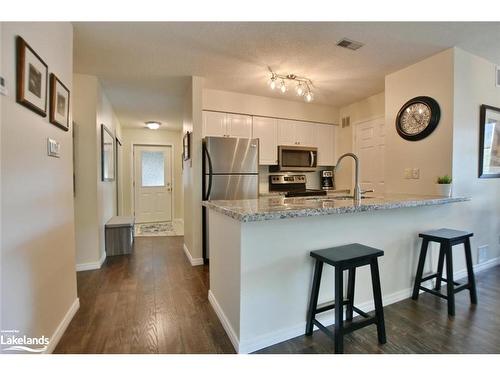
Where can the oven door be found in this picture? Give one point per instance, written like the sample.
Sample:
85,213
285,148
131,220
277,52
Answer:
297,158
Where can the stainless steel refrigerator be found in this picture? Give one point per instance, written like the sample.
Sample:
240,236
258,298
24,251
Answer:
230,171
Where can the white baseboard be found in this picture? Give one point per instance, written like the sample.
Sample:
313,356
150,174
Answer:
224,321
193,261
61,328
326,318
91,265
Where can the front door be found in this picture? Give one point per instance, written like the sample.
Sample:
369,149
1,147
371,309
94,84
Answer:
152,183
370,148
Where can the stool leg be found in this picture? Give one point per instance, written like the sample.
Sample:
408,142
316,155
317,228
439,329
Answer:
339,309
313,302
450,292
350,293
440,268
470,273
377,296
420,268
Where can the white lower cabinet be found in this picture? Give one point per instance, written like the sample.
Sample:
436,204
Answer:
266,130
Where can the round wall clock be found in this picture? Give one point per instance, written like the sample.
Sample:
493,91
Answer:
418,118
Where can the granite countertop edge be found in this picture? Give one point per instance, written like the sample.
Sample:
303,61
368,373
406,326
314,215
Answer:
311,211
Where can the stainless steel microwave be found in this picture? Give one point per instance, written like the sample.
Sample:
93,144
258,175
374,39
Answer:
297,158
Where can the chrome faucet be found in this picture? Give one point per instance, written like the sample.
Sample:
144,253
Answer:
357,189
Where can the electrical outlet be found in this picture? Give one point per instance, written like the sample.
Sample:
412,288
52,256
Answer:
407,173
482,254
415,173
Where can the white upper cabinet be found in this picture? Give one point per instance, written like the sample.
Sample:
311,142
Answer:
296,133
286,133
266,130
239,126
214,124
305,133
218,124
325,142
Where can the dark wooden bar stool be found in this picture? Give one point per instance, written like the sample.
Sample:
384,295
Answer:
342,258
447,238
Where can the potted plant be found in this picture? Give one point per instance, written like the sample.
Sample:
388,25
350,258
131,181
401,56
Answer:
443,186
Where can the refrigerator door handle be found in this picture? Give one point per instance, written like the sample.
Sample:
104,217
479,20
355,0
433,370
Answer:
210,171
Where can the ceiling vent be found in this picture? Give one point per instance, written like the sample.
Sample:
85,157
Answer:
350,44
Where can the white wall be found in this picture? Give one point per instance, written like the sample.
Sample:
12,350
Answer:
367,109
95,200
474,85
38,239
145,137
227,101
192,121
433,155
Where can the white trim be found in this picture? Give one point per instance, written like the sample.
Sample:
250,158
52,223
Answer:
172,174
193,261
91,265
224,321
281,335
61,328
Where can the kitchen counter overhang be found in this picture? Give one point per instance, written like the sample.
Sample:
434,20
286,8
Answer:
273,208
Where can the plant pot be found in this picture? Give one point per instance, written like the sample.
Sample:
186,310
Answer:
443,190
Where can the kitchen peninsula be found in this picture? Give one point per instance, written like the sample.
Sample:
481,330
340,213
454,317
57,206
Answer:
261,271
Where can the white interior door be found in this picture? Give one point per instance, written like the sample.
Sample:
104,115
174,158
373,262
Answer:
370,148
152,183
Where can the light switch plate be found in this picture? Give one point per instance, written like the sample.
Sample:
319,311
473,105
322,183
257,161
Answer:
408,173
53,148
415,173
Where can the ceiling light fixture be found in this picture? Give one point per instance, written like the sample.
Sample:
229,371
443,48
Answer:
302,84
153,125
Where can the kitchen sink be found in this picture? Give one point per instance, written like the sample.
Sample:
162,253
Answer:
348,197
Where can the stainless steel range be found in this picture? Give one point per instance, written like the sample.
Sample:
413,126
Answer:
292,185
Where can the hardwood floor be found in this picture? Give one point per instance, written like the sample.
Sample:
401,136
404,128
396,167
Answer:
154,302
150,302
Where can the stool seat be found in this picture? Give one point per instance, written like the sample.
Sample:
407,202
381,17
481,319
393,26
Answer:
445,234
447,238
347,254
346,258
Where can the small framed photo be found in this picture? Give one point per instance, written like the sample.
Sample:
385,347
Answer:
59,103
32,76
186,146
489,142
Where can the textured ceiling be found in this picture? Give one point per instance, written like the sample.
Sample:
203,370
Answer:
144,66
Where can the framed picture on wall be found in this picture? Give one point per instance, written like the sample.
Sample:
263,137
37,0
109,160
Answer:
186,146
489,142
107,154
59,103
31,80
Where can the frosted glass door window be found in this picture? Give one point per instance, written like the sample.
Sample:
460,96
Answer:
153,168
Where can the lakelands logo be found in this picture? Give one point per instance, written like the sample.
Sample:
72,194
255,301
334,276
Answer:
12,341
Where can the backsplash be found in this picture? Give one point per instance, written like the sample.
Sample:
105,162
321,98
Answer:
313,180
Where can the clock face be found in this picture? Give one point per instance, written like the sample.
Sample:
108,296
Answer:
418,118
415,118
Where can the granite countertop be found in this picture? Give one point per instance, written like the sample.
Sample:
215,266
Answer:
279,207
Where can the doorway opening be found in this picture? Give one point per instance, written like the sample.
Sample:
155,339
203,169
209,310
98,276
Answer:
153,193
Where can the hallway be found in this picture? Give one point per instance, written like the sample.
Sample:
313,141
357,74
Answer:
150,302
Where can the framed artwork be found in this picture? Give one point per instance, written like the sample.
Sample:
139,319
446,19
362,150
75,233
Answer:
32,76
489,142
107,154
59,103
186,146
